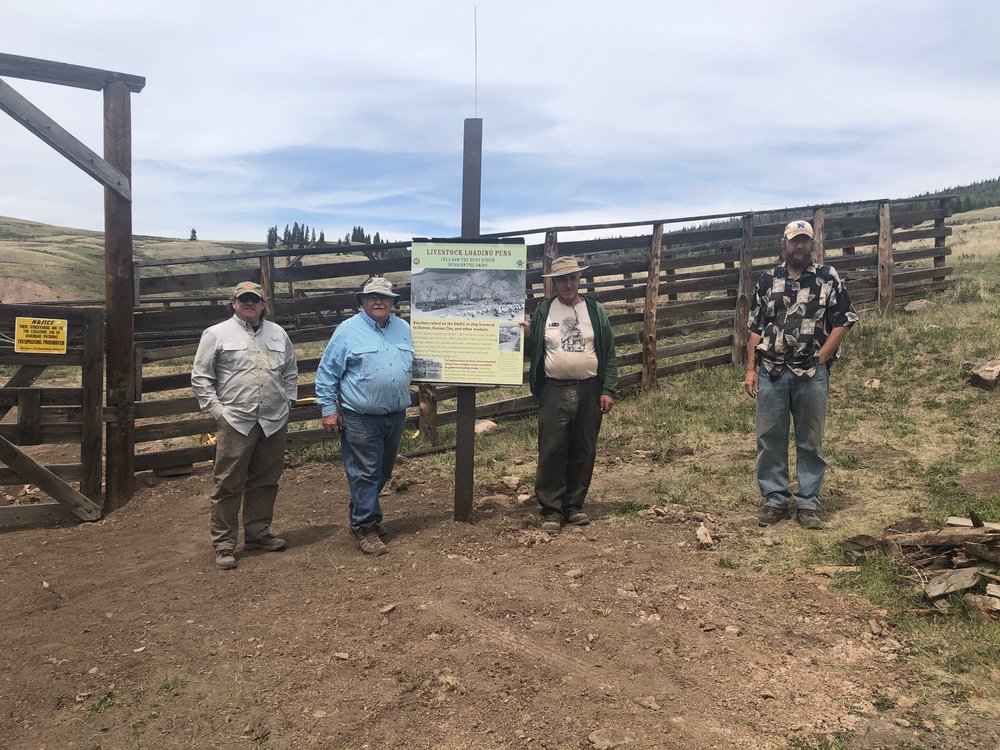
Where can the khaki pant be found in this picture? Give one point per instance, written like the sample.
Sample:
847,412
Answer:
247,469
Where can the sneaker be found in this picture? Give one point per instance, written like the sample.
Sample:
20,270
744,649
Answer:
225,559
269,543
771,514
809,519
552,526
579,518
368,541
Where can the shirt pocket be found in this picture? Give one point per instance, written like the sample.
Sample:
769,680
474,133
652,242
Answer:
405,357
235,357
365,360
276,354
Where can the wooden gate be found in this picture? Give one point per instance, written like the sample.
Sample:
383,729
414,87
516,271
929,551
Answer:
60,414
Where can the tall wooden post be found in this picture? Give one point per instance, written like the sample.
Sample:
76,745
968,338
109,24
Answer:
649,310
428,414
267,284
939,242
120,300
819,228
551,253
744,289
465,424
886,292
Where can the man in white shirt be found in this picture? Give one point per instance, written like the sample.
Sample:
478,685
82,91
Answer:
245,375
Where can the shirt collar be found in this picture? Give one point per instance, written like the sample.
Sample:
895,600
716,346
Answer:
373,323
810,269
246,326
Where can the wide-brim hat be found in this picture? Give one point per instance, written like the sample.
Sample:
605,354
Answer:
564,266
248,287
377,285
796,228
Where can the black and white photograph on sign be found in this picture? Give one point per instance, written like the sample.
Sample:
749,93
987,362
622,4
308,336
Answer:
427,368
510,338
468,294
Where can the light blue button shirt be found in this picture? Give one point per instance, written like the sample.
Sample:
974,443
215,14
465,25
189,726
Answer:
366,368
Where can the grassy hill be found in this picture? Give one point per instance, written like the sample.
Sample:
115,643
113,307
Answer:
70,262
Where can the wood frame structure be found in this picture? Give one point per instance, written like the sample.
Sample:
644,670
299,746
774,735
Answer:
114,172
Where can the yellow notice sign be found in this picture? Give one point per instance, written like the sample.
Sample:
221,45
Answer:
40,336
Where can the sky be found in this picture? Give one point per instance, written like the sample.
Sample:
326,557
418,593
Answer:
335,114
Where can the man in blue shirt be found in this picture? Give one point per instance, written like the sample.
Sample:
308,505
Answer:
363,390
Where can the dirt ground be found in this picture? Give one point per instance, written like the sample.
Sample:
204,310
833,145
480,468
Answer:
122,634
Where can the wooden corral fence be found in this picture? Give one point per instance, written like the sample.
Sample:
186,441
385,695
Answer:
62,415
677,295
678,301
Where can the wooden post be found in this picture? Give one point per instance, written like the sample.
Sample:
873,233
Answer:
119,299
744,290
819,227
428,414
939,242
649,310
886,292
465,419
267,283
551,253
91,443
29,416
848,233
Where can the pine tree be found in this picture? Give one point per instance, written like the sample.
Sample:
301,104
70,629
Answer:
193,237
322,237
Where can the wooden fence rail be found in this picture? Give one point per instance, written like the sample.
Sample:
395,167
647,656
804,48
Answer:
678,300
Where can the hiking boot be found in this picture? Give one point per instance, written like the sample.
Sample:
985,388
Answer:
771,514
368,541
552,526
809,519
269,543
579,518
225,559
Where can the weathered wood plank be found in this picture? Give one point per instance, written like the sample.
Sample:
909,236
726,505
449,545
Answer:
13,516
651,301
64,142
48,482
64,74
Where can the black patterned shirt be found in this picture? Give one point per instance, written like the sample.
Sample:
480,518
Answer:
794,317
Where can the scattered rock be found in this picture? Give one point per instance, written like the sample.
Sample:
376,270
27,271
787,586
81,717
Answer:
733,631
510,482
485,425
919,306
873,383
648,701
704,537
387,609
574,574
607,739
984,374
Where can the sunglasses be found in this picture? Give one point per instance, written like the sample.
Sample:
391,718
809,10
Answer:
248,298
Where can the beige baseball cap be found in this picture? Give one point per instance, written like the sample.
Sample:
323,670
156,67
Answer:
795,228
248,287
377,285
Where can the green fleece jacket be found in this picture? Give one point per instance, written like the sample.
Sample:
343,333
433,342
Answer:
604,344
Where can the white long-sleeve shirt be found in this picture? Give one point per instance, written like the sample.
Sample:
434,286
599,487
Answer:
246,376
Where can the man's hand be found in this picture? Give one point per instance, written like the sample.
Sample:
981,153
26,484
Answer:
751,383
331,423
606,403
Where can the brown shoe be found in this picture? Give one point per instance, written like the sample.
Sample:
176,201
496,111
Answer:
368,541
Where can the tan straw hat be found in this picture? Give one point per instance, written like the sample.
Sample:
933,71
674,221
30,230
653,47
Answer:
564,266
377,285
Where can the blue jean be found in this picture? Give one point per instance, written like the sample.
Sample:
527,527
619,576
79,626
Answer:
368,447
803,400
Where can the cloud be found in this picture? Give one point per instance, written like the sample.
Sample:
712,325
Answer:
337,114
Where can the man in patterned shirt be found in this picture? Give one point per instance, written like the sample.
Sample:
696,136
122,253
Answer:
799,314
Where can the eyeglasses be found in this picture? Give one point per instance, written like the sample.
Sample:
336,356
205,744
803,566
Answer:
248,299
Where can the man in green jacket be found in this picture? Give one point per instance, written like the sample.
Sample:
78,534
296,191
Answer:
574,376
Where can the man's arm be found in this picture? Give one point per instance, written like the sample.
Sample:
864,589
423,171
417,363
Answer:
831,344
290,375
328,376
203,376
751,380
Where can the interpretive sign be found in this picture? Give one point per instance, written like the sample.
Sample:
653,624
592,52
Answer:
40,335
466,308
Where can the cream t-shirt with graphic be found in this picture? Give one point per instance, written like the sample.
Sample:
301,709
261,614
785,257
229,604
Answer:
569,342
